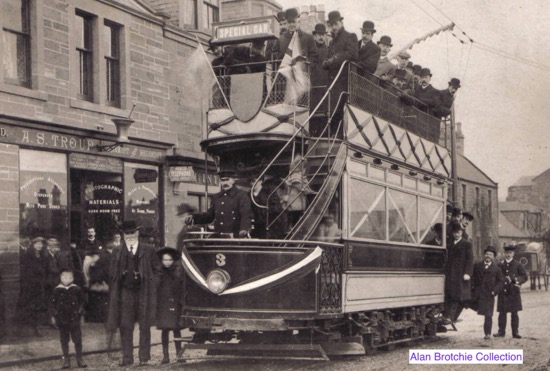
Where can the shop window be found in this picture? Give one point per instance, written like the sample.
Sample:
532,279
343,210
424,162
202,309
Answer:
84,48
16,35
43,195
141,200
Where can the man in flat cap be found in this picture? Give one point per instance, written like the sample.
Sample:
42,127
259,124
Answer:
402,61
428,97
230,209
487,283
458,272
307,44
369,52
447,97
509,300
384,68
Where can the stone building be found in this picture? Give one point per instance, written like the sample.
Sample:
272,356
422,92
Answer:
520,223
68,69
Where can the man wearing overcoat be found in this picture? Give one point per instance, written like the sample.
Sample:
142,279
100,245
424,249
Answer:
134,275
509,300
344,45
230,209
487,282
307,44
369,52
458,272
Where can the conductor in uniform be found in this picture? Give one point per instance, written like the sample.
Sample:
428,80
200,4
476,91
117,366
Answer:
509,300
230,209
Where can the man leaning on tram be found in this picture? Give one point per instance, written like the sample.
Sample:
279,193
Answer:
230,209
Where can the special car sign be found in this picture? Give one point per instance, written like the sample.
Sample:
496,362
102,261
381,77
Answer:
240,31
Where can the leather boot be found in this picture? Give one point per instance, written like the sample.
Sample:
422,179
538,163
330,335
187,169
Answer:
66,362
166,357
80,362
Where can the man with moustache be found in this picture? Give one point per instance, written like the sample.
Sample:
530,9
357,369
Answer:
487,282
428,97
369,52
384,68
447,98
307,45
319,80
230,209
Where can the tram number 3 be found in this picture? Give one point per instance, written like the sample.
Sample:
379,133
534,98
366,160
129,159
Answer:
220,260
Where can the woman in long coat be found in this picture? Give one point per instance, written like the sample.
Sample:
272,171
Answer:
32,300
458,271
169,299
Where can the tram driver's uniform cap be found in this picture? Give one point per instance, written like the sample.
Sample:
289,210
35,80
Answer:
227,174
510,248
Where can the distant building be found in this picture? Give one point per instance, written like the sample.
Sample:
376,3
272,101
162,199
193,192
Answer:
534,190
520,223
521,190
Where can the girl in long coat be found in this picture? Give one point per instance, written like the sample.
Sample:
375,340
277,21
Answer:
32,300
169,299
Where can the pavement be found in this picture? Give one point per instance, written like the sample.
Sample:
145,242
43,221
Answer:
17,350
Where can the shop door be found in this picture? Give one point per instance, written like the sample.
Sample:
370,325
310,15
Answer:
96,201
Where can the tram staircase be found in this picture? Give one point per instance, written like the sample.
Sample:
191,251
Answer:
323,160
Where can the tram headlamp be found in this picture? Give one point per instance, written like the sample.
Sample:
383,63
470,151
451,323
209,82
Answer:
218,280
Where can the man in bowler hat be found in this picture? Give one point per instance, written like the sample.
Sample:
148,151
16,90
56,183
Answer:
384,68
458,272
344,45
369,52
447,98
230,209
487,283
307,45
319,80
134,274
509,300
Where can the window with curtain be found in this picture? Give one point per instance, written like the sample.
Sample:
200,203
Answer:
84,48
16,54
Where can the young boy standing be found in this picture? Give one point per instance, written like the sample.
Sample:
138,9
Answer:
487,282
66,306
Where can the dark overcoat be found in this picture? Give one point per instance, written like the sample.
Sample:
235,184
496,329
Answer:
460,261
307,44
229,210
428,96
32,299
66,304
486,284
368,56
319,76
272,216
509,299
170,296
149,270
344,47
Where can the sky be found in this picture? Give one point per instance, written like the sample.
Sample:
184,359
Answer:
503,104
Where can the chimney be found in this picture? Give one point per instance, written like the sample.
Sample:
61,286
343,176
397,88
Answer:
313,11
321,13
459,139
305,11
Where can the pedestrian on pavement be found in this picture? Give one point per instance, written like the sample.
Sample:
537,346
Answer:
458,272
230,209
170,299
66,306
31,306
134,274
509,300
487,282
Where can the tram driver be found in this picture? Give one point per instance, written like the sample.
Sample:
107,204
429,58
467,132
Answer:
230,209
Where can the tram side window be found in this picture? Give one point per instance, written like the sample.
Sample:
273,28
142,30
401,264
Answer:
402,216
368,210
430,212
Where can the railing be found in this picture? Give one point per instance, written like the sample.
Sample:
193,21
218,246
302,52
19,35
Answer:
368,95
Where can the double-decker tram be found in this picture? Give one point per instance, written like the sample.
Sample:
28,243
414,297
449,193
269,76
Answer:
361,179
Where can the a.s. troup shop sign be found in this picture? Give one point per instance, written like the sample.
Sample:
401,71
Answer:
52,140
243,31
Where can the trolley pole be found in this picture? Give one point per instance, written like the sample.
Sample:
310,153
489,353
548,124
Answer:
454,174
